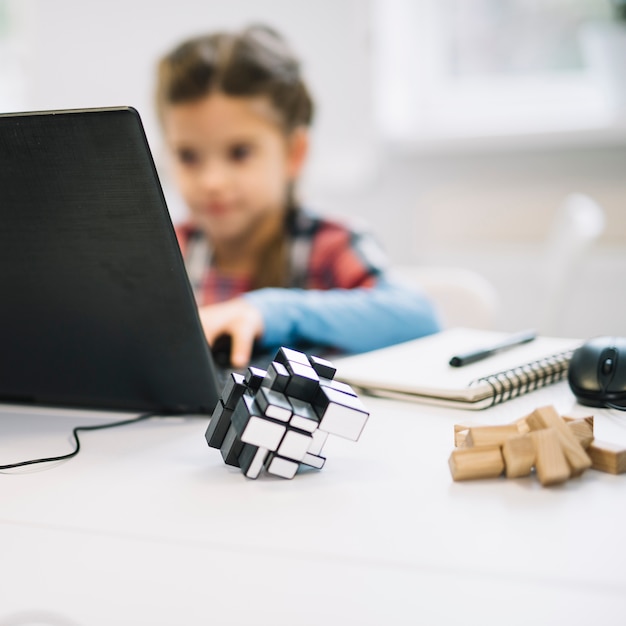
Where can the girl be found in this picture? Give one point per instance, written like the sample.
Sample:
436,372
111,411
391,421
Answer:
235,115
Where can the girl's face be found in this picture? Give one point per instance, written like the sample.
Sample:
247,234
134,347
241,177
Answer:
232,163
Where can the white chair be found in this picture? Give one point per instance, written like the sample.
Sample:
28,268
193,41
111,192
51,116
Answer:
578,223
463,297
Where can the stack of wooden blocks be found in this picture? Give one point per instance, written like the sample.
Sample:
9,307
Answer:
555,447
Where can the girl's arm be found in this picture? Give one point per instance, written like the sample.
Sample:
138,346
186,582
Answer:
352,320
348,304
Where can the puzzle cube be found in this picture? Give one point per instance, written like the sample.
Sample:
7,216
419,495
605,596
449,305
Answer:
313,460
218,426
287,355
318,439
340,414
303,381
279,466
254,378
276,377
294,445
231,447
279,420
234,388
253,427
274,404
303,416
338,386
252,459
323,368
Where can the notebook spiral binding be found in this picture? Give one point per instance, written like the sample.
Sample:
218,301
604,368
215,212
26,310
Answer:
517,381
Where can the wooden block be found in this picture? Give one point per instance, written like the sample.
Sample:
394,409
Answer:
519,456
534,421
588,419
490,435
522,425
607,457
550,462
582,431
460,438
478,462
460,434
575,454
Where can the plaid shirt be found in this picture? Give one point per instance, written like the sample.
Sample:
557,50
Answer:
323,254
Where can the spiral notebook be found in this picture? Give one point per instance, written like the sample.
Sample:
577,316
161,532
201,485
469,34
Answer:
419,370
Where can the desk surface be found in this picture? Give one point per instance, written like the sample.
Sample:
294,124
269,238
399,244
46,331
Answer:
148,526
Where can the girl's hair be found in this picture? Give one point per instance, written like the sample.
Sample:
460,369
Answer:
254,62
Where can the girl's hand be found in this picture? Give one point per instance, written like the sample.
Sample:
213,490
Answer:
237,318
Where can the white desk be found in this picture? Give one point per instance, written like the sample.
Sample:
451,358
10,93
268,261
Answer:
148,526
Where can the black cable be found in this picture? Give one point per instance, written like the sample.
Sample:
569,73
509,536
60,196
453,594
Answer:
69,455
617,407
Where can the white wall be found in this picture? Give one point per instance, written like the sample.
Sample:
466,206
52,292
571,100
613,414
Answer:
489,209
83,53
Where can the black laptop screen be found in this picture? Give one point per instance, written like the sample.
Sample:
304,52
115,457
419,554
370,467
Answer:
95,305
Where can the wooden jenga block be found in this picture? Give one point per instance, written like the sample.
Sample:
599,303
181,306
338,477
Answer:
460,435
551,465
533,421
587,418
582,430
607,457
519,456
576,456
522,426
490,435
478,462
460,439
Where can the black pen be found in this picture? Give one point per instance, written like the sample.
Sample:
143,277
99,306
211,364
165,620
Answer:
478,355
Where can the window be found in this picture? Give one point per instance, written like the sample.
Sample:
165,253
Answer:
479,68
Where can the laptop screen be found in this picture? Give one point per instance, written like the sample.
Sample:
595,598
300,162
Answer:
95,307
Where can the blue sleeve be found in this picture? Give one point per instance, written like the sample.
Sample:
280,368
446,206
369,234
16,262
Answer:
351,320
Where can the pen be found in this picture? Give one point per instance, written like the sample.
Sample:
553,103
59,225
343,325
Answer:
478,355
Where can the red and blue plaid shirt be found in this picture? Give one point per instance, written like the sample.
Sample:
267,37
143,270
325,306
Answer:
323,254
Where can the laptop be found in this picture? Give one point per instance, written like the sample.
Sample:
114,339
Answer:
96,310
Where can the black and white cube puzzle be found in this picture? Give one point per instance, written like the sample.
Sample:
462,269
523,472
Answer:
279,419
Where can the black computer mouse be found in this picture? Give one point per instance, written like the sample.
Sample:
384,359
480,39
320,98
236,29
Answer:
597,372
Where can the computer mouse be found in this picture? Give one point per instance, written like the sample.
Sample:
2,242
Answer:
597,372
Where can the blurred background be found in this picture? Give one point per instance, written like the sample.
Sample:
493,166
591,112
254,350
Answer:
458,129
